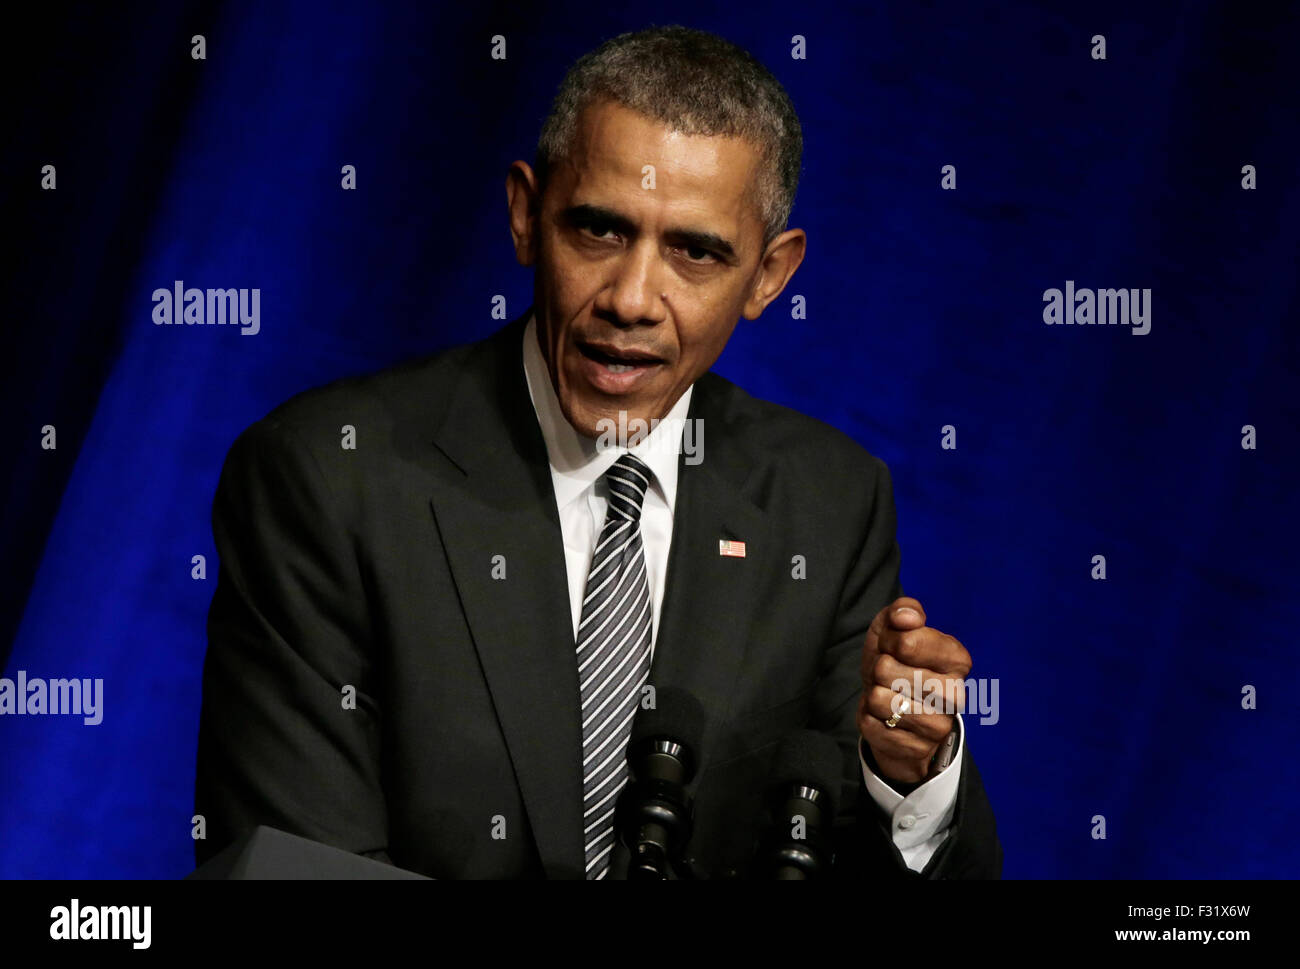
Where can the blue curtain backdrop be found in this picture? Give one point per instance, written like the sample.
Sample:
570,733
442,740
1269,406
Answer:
1119,697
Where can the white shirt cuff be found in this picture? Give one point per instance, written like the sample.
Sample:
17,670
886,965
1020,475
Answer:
919,822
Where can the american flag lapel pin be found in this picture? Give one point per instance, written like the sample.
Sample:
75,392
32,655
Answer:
735,550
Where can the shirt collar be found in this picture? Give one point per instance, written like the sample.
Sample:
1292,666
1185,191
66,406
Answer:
577,461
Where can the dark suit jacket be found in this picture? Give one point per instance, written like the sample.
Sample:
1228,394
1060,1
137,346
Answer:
371,569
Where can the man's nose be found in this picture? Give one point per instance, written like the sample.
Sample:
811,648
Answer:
639,282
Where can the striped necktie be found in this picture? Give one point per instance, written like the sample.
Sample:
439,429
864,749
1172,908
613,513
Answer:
613,646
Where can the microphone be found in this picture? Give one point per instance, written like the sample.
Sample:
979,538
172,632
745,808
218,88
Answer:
654,813
806,777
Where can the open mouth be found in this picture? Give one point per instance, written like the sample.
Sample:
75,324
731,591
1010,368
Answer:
615,358
615,370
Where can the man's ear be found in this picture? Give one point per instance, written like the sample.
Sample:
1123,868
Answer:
780,259
524,202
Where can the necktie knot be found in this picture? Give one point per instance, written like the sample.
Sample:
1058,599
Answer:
628,481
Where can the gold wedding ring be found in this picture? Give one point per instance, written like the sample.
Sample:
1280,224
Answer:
904,707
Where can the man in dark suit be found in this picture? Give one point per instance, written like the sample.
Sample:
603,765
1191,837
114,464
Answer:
446,588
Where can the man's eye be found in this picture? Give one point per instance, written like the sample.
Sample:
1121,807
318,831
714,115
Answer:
696,254
599,231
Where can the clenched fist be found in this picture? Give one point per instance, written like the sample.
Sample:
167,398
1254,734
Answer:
899,646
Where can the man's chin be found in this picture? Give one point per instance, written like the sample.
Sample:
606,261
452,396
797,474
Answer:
586,420
599,423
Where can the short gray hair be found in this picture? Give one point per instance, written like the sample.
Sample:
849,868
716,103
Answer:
696,83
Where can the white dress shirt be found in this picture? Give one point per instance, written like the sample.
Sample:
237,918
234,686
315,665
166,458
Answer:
919,822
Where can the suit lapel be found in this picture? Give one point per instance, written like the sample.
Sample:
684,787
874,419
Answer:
709,598
502,503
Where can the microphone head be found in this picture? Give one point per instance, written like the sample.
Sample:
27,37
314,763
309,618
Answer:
677,716
809,758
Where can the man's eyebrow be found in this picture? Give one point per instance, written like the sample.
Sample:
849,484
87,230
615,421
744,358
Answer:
693,238
587,214
698,239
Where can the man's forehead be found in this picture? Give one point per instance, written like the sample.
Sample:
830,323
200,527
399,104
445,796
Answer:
614,144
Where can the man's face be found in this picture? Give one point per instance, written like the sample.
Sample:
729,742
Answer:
648,247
